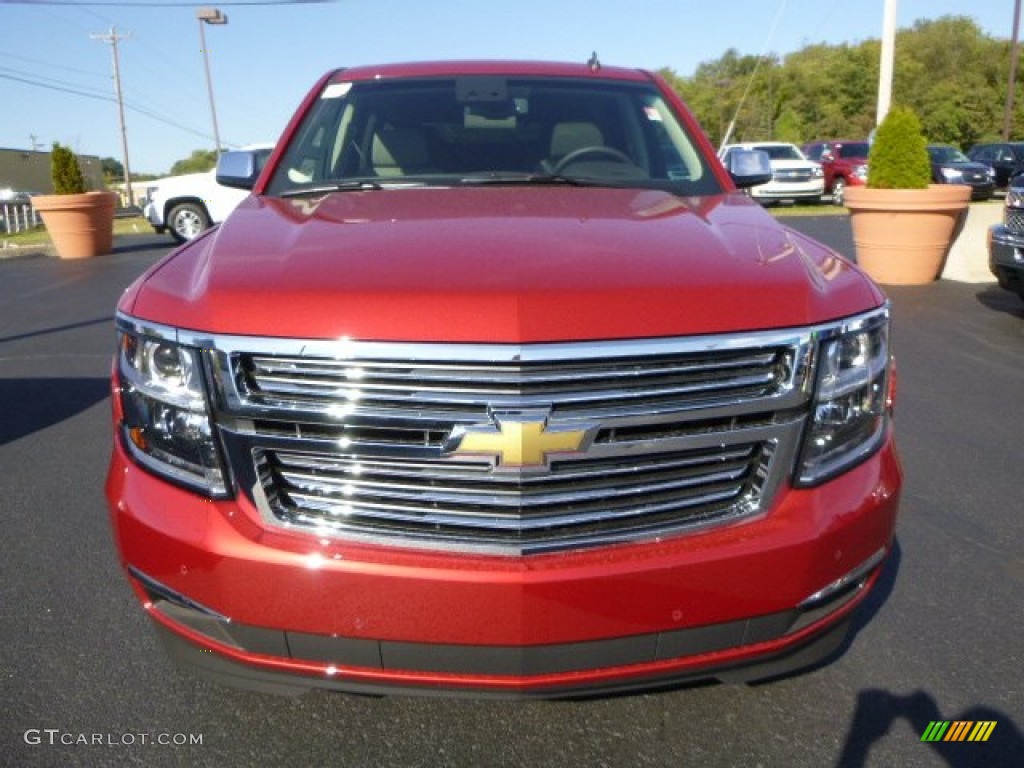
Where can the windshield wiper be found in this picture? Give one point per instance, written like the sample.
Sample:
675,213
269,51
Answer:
339,186
535,178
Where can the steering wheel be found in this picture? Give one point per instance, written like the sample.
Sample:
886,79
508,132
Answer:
576,154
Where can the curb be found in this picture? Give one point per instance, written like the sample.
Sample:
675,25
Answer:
967,261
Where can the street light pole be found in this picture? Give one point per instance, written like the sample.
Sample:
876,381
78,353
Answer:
885,67
210,16
1012,84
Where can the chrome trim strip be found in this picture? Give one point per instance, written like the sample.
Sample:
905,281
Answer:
152,585
384,422
350,349
846,580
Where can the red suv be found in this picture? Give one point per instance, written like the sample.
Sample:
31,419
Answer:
845,163
496,384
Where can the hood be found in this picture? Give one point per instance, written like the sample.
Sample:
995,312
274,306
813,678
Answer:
965,165
183,180
499,264
793,165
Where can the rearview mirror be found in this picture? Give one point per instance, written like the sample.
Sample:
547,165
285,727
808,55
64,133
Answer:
749,167
238,169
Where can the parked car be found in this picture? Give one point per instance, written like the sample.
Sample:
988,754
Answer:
11,195
1005,158
794,177
189,204
498,384
1006,241
951,166
845,164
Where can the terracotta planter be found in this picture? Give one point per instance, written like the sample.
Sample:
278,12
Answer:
902,236
79,225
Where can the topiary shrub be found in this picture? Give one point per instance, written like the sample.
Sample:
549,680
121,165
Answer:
67,174
898,158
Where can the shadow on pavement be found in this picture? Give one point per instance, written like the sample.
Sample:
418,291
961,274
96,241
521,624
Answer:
109,319
30,405
1002,300
877,711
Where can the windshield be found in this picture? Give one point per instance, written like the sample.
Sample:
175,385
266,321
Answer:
780,151
491,130
857,149
947,155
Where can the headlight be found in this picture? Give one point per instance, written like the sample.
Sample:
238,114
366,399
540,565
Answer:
817,172
850,407
861,172
952,174
166,424
1015,197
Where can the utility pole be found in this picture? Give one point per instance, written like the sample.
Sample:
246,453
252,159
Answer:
36,145
112,38
1012,86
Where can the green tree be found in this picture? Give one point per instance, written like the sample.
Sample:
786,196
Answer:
898,158
947,70
66,172
200,160
789,127
113,171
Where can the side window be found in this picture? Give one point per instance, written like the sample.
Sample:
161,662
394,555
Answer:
814,152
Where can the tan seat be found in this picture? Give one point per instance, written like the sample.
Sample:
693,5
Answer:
399,152
568,137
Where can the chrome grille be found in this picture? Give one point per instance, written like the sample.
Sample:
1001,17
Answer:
792,176
453,502
354,439
670,381
1014,220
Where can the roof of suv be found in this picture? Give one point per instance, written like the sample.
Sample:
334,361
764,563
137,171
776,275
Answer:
484,67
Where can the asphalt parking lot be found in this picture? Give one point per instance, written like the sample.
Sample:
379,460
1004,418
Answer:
85,683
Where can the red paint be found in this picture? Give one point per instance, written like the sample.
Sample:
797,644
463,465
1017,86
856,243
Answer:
500,265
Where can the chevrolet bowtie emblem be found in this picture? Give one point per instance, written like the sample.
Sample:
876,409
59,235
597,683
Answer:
520,440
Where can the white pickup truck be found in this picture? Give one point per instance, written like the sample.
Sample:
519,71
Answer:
189,204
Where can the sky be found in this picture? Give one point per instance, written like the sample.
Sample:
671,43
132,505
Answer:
56,78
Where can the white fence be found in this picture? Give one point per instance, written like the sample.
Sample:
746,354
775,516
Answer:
17,217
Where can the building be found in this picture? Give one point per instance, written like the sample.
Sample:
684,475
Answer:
25,170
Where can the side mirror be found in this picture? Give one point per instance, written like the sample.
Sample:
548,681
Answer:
238,169
749,167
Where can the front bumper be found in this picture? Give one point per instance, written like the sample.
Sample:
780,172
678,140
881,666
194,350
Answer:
154,217
1006,258
784,190
284,612
982,190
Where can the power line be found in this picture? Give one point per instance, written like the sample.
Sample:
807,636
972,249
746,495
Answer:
51,65
129,105
125,4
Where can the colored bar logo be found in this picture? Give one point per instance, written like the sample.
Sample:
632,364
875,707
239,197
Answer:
958,730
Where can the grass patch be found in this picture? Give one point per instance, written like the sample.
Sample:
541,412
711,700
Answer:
134,225
807,209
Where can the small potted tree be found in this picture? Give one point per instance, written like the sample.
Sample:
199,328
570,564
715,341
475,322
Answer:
903,224
80,223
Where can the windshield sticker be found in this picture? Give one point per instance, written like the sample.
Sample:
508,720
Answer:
652,114
336,90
